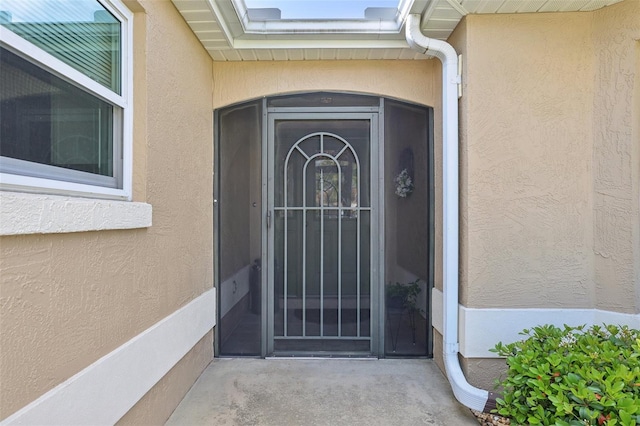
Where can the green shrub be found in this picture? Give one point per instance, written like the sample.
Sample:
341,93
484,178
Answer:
572,376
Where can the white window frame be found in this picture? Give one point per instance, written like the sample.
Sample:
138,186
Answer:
15,43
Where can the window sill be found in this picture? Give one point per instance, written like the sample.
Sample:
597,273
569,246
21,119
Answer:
23,213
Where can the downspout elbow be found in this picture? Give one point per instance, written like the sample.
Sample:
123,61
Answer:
426,45
468,395
416,40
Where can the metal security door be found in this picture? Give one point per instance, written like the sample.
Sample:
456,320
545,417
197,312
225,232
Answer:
321,218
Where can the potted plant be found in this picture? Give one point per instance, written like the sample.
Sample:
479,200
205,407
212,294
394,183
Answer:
404,296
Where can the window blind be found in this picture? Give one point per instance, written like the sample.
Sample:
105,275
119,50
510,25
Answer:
81,33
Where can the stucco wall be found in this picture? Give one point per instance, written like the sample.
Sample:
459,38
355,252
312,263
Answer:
528,105
68,299
616,157
549,163
410,80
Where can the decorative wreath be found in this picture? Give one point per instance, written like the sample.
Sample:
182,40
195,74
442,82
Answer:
404,184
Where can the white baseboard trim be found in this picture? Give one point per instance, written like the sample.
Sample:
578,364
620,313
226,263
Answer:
107,389
480,329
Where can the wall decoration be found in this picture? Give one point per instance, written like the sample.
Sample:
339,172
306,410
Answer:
404,179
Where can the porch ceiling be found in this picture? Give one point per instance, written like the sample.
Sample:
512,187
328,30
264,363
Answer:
229,38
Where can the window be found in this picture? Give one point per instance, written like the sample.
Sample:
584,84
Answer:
65,97
326,9
318,16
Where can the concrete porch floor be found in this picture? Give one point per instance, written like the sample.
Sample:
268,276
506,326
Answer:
321,392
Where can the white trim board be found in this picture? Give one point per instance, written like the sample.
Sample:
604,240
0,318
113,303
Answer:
107,389
481,329
23,213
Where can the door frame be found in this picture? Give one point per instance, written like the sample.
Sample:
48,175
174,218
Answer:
377,256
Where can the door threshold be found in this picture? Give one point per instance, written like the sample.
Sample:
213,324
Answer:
355,356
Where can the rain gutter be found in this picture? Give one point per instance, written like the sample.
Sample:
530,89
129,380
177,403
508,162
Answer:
468,395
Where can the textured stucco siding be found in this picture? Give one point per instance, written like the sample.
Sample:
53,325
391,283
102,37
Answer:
616,157
527,213
409,80
68,299
549,164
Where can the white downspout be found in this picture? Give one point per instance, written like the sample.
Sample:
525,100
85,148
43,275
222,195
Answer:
472,397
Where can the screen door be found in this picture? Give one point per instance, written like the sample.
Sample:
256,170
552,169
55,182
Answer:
320,218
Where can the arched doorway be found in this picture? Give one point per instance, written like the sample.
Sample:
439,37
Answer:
312,231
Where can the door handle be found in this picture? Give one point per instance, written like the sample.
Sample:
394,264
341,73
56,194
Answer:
268,219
